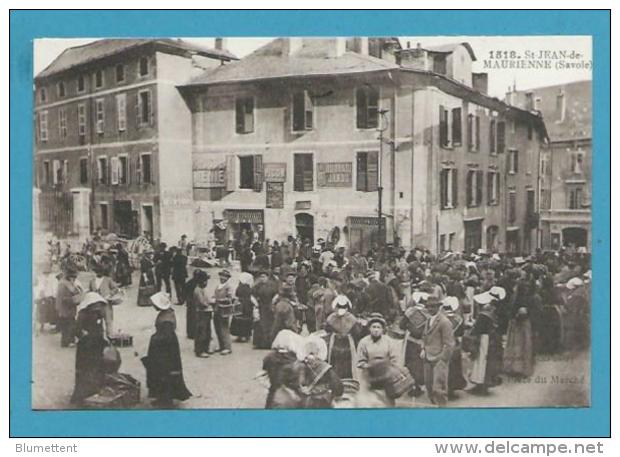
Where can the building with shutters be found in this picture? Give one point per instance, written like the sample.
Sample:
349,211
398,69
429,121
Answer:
113,137
286,142
566,162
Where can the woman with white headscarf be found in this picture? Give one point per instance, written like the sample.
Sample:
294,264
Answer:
344,332
319,382
278,365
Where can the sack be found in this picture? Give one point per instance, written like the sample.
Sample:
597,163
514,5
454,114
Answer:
111,359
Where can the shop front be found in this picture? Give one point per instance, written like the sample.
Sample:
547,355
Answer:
244,225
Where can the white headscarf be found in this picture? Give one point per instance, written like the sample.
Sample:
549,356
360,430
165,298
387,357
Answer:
246,278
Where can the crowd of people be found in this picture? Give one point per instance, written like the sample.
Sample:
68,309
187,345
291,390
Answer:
399,322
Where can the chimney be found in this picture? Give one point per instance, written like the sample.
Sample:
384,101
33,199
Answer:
480,82
221,44
294,44
341,46
363,46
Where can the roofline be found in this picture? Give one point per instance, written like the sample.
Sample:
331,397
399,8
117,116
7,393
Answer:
157,42
467,46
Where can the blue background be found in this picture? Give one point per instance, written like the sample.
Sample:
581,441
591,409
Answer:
558,422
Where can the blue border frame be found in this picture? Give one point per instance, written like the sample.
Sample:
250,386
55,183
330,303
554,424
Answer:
560,422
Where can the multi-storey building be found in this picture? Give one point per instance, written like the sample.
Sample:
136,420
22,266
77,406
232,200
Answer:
298,137
565,163
112,145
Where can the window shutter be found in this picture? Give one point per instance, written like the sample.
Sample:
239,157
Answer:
470,188
362,179
230,173
362,108
501,137
477,133
455,188
470,131
249,115
298,178
239,115
479,184
138,110
492,145
490,180
443,126
298,111
258,172
516,155
498,191
443,187
373,171
151,111
308,173
457,136
308,111
372,120
139,170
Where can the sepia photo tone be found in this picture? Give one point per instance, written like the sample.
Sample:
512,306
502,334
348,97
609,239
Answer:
339,222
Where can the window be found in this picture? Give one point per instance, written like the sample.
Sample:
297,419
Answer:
474,188
43,95
530,202
102,170
43,126
46,173
251,172
457,134
83,170
439,64
575,195
121,111
303,180
144,108
501,136
367,171
367,102
65,171
444,140
473,132
560,106
61,89
448,188
442,243
513,161
244,115
577,162
512,206
123,170
493,188
104,215
120,73
81,119
303,111
145,168
530,131
451,238
62,122
99,79
544,164
99,110
492,136
144,66
81,83
57,172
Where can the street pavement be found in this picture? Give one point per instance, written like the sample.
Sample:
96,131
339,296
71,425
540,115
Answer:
227,381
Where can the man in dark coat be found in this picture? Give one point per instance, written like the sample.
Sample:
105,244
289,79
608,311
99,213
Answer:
162,267
379,297
179,273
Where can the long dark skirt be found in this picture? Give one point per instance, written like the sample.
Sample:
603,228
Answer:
202,331
262,328
89,370
164,371
519,353
46,311
414,362
341,356
456,380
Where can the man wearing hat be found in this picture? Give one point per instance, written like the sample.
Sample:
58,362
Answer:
68,296
224,296
379,296
284,312
437,345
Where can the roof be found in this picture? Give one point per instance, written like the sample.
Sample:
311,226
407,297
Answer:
91,52
577,121
314,58
447,49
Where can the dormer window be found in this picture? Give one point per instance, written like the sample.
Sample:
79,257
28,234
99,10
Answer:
439,64
120,73
99,79
81,83
61,89
144,66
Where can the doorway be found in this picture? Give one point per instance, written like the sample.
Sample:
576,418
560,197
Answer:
575,237
304,223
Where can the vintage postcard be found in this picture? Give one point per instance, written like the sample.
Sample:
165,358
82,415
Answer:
312,222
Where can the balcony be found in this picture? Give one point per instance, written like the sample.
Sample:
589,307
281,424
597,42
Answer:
566,215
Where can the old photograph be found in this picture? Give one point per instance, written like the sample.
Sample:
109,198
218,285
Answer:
312,222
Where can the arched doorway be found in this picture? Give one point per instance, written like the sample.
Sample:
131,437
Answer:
574,236
304,223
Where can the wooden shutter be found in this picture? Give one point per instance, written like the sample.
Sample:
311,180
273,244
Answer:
492,127
372,167
443,126
516,156
298,111
470,131
501,137
457,135
477,133
151,112
372,115
308,111
258,172
138,110
249,115
298,176
308,173
231,176
362,178
479,186
114,170
469,191
239,115
443,187
362,108
490,187
455,188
